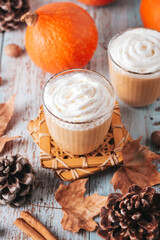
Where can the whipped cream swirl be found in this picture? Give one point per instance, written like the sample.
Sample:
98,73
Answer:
137,50
77,97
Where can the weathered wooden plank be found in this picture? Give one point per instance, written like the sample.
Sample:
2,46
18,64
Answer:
115,19
50,217
26,82
138,121
22,77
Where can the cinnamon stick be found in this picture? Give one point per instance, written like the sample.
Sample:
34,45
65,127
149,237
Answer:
20,223
35,224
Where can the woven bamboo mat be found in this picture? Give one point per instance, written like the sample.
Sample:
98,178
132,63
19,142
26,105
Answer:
72,167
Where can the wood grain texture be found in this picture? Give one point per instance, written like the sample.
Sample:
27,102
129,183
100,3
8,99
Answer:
21,77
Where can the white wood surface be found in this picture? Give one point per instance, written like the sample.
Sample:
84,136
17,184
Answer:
21,77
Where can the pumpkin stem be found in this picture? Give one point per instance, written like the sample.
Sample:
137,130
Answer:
30,18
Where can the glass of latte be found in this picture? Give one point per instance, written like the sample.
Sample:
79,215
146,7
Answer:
134,65
78,106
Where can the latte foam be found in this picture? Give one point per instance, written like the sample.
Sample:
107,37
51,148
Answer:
77,97
137,50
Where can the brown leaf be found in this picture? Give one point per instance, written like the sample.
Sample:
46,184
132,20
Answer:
6,113
137,167
4,140
78,210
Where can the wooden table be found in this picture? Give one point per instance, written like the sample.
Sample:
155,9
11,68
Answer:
21,77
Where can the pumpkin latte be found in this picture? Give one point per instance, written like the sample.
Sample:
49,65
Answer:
78,106
134,65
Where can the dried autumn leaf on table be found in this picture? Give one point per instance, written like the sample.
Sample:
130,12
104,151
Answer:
78,210
4,140
6,113
137,167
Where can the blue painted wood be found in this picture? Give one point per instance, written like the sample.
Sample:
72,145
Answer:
22,77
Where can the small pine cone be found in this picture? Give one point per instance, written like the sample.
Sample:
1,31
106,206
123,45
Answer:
17,179
11,12
134,216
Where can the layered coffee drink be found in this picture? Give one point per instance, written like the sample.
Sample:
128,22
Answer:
78,106
134,65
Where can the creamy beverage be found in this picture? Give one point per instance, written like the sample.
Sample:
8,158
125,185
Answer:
134,65
78,108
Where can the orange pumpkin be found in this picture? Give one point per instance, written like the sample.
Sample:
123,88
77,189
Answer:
60,36
96,2
150,14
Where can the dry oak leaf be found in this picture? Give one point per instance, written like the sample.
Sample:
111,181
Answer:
6,113
78,210
4,140
137,167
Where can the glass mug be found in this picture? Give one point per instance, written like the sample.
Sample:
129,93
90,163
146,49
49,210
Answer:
133,87
75,137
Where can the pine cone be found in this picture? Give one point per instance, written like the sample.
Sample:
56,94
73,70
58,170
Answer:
11,12
134,216
17,179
